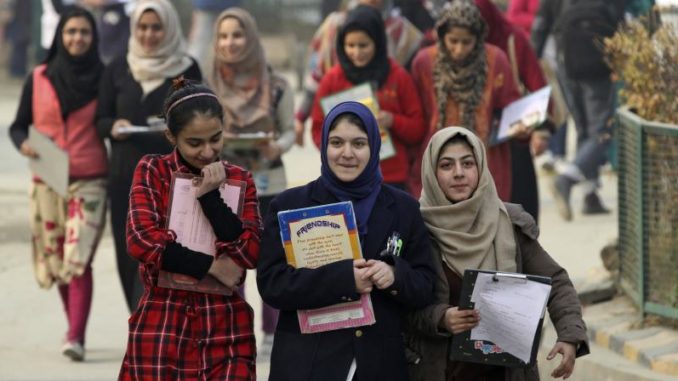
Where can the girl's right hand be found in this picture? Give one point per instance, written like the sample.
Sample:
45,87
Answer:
226,271
115,131
27,150
457,321
213,175
363,284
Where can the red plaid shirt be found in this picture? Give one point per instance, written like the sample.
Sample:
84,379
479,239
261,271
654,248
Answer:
185,335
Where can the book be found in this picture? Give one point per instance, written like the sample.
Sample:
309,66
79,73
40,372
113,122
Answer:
51,165
193,230
363,94
316,236
530,110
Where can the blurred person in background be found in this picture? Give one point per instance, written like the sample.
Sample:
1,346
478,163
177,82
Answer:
132,92
588,90
59,99
521,14
527,73
363,58
205,14
403,41
113,24
256,100
464,81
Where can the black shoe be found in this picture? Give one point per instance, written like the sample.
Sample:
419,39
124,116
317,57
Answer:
593,205
560,187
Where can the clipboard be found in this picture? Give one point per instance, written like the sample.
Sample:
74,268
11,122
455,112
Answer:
462,348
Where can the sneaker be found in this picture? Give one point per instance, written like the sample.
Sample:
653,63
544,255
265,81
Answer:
266,346
593,205
560,187
73,350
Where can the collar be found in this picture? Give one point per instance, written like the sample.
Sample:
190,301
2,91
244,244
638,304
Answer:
180,164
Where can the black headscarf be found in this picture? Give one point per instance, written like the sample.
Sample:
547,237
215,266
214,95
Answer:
366,19
75,79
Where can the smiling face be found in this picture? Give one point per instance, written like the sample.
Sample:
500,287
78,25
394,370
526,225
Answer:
348,150
457,171
231,40
200,141
359,48
459,43
149,31
77,36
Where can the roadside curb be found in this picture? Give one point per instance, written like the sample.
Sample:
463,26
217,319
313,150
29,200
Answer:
615,325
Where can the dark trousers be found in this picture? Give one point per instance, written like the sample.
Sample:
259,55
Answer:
128,267
524,189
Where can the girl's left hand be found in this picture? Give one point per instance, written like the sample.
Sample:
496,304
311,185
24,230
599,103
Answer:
270,150
566,366
380,273
213,175
385,120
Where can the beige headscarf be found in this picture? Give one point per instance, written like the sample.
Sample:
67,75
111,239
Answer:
169,60
472,234
243,84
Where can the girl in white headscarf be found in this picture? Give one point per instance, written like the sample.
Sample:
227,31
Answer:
132,92
471,228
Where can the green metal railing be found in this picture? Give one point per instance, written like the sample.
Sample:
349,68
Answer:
648,214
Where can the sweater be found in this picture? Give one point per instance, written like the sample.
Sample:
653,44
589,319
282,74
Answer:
399,96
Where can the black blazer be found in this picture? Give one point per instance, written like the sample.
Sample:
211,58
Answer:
378,349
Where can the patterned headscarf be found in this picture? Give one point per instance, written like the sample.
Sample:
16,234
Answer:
243,84
169,59
463,81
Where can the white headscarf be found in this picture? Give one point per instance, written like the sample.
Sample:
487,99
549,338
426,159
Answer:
169,60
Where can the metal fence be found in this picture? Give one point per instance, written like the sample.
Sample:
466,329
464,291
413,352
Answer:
648,214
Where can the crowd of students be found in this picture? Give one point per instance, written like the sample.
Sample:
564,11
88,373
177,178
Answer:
464,185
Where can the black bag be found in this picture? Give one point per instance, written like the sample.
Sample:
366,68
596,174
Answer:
582,26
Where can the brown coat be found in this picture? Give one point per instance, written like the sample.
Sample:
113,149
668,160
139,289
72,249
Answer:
429,345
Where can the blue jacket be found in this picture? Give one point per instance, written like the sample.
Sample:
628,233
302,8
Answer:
378,349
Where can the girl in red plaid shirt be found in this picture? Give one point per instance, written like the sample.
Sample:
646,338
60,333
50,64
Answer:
188,335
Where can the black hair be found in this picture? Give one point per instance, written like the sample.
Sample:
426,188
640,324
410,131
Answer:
71,12
349,117
457,139
178,115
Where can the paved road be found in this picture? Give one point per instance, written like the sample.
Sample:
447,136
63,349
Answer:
32,324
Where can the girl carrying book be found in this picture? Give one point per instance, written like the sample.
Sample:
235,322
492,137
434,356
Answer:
256,100
59,99
363,58
466,82
178,334
399,283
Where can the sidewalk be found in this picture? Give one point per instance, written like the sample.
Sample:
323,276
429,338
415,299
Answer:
32,324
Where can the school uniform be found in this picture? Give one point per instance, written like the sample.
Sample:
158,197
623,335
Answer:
378,349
